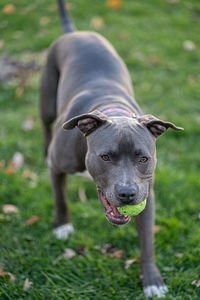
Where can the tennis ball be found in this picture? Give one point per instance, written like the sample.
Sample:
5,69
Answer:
132,210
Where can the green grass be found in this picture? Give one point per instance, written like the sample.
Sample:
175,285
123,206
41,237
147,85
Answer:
149,35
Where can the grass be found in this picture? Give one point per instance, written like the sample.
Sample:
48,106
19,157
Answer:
149,35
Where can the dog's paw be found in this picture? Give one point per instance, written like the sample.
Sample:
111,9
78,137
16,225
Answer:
154,290
62,232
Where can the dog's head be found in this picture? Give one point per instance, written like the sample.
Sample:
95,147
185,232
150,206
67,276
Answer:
121,157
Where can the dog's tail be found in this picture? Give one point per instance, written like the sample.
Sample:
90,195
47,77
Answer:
66,22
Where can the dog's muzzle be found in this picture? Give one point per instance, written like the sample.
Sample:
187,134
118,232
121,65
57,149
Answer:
111,212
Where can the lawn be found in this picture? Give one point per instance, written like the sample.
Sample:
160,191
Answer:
152,37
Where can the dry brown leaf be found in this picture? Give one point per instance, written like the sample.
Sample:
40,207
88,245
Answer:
117,253
15,164
112,251
3,273
27,284
82,194
32,220
81,250
9,9
10,168
44,21
19,91
114,3
69,254
12,277
69,5
29,174
28,124
196,283
157,229
9,208
1,44
129,262
97,23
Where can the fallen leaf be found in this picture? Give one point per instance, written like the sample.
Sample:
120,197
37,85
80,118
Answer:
44,21
69,5
9,9
196,283
157,229
69,254
18,160
27,284
29,174
12,277
9,208
3,273
179,254
129,262
82,194
10,168
32,220
28,124
81,250
112,251
97,23
19,91
114,3
189,46
1,44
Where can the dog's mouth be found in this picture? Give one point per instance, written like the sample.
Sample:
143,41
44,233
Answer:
111,212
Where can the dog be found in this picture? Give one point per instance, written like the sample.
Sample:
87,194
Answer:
86,89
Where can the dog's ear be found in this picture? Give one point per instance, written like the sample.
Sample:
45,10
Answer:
87,123
155,125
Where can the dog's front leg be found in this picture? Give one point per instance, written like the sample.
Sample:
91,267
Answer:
152,281
61,215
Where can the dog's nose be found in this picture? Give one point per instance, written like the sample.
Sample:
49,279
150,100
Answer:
126,193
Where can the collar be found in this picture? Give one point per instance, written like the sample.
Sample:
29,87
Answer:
109,111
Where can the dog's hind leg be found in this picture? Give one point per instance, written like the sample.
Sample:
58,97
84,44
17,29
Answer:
48,96
61,216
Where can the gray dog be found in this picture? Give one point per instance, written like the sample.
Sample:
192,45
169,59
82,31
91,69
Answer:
86,87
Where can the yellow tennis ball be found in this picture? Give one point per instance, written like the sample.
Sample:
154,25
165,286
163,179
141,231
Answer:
132,210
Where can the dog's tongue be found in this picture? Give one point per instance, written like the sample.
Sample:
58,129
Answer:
111,212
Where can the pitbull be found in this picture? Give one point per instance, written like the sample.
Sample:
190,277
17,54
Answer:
86,89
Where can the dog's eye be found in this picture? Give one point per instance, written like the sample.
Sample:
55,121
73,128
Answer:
105,157
143,159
